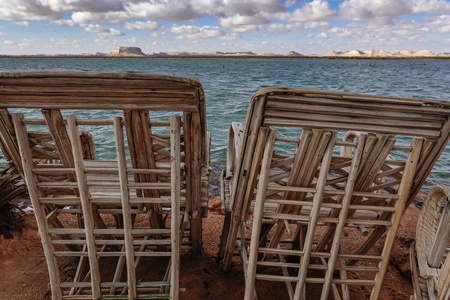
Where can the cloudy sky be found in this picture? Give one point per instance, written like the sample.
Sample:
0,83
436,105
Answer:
270,26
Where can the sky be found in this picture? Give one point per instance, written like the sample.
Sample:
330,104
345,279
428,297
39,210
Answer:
32,27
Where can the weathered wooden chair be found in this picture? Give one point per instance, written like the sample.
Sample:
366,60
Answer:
303,188
144,200
430,259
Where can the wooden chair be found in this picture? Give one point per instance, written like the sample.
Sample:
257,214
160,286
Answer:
430,259
302,187
144,200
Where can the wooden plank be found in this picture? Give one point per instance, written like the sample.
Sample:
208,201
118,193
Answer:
254,171
125,197
427,163
27,160
175,207
403,192
293,115
254,120
353,172
135,123
85,206
309,154
87,103
354,102
321,183
352,126
357,112
442,238
258,212
195,132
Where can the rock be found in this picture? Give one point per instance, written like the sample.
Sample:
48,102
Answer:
127,51
215,205
424,53
293,53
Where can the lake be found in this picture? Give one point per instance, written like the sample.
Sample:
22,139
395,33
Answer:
230,83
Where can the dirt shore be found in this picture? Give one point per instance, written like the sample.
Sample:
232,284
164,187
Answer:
23,270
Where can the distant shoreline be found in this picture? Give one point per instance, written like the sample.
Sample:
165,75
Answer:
224,57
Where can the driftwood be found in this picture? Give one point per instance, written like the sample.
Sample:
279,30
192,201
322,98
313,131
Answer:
146,202
302,192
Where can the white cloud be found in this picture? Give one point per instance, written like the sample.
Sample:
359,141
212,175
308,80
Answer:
102,32
430,7
53,9
2,33
176,10
135,41
245,28
440,24
26,43
8,42
316,10
239,20
85,17
64,22
194,32
105,42
230,37
276,28
317,25
345,33
22,23
373,9
64,41
323,35
138,25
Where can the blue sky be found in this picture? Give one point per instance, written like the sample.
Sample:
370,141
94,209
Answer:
260,26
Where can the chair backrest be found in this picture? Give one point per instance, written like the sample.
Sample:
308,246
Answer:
433,242
97,93
299,171
125,203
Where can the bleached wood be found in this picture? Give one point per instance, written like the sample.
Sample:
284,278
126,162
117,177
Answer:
125,197
33,190
175,123
259,208
403,193
343,216
321,181
86,206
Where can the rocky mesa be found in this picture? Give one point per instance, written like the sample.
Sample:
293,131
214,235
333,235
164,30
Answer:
127,51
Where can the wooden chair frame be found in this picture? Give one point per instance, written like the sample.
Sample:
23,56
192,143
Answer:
166,176
430,260
361,189
130,92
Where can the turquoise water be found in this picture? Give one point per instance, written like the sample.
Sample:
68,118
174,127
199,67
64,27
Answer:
230,83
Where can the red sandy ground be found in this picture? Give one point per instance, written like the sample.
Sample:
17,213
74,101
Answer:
23,271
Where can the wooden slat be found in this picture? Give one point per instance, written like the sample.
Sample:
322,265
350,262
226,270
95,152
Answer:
125,197
85,205
321,183
253,123
352,126
403,193
353,101
175,125
27,160
343,216
258,212
291,115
